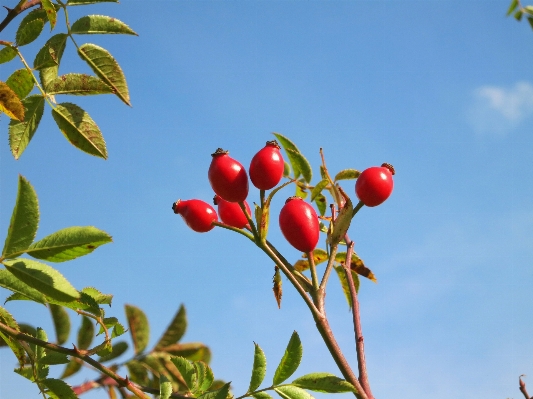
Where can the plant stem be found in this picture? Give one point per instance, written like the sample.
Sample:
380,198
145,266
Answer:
311,260
122,382
523,387
13,12
250,221
359,343
357,207
244,233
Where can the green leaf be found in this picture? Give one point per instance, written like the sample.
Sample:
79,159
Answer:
347,174
69,243
318,188
85,333
186,370
192,350
303,165
137,372
43,278
10,282
529,10
321,203
58,389
530,20
175,330
7,319
221,393
118,349
72,368
286,173
287,144
28,31
40,351
61,323
79,128
290,361
52,358
91,24
292,392
109,322
301,192
344,283
512,7
78,84
258,369
323,382
204,377
139,327
51,14
106,67
20,133
342,223
7,54
97,296
165,387
262,395
51,53
84,302
84,2
10,104
24,220
518,15
357,265
21,82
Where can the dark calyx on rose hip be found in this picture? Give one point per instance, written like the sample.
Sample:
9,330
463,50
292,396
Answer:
228,177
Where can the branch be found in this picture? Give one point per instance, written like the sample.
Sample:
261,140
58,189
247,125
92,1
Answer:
122,382
359,342
13,12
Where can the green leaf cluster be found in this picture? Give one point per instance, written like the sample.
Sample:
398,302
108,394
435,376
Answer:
24,94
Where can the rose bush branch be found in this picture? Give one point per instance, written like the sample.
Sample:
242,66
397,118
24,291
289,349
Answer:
123,382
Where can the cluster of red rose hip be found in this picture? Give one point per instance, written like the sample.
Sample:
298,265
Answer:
298,220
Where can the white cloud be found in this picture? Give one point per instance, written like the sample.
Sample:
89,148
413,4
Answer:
500,109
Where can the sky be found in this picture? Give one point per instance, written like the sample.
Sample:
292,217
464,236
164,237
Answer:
441,89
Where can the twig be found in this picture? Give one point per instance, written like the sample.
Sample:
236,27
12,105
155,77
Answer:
359,342
523,387
122,382
13,12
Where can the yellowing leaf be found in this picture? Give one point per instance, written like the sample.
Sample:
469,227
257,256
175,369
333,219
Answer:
10,104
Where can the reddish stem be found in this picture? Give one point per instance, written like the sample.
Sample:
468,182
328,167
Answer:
358,330
13,12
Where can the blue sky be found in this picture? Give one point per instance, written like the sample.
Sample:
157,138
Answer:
443,90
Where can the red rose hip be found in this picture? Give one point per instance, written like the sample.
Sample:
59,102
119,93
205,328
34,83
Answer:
298,222
374,185
197,214
228,177
231,213
266,168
